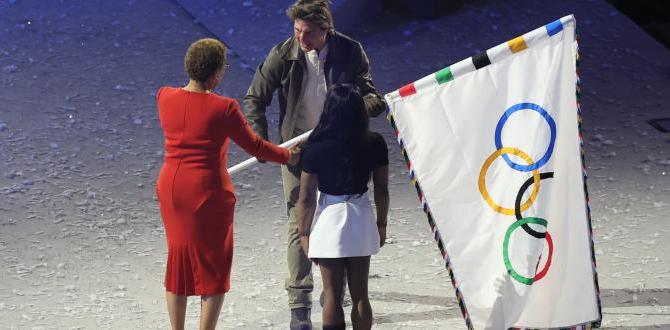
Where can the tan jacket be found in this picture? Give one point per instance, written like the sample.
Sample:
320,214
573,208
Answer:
283,70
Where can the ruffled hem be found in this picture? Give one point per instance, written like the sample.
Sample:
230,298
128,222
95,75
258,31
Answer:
190,273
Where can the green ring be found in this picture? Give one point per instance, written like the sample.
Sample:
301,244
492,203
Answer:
508,264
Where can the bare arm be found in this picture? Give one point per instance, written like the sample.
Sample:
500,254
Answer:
306,207
380,178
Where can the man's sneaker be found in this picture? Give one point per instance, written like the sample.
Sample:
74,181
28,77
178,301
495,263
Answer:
301,319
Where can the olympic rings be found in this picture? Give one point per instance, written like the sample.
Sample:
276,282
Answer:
508,264
482,180
552,128
534,180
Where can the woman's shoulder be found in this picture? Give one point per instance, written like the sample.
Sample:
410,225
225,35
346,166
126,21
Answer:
223,104
323,148
316,154
166,90
225,100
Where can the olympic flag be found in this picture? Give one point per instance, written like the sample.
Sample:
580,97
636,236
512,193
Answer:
493,146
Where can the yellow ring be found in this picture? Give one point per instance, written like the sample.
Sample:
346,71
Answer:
485,168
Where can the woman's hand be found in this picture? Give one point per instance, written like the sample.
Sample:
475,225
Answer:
382,234
294,155
304,243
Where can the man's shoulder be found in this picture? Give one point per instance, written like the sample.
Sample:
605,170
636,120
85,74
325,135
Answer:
284,48
345,40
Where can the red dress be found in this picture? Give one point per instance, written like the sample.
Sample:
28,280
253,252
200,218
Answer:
195,193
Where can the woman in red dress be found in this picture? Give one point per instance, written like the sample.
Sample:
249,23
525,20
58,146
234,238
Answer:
195,192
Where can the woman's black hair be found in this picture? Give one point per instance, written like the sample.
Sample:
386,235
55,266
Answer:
345,121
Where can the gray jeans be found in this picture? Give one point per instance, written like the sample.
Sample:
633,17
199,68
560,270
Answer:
299,283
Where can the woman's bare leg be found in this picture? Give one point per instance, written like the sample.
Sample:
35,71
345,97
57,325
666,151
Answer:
210,308
357,274
176,306
332,273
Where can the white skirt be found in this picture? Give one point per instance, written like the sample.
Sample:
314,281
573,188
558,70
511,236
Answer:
343,226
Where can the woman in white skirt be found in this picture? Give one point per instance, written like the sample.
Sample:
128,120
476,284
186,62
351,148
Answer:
339,230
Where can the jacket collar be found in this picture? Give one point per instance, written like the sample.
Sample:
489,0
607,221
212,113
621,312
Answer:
293,51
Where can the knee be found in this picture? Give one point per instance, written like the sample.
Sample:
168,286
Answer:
331,296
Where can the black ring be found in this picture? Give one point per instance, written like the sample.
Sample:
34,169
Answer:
517,204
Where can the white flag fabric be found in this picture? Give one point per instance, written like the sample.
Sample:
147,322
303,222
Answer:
493,145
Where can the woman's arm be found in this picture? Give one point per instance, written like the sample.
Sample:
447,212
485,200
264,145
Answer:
306,207
380,179
239,130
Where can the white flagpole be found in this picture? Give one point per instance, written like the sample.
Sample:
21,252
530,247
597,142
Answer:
251,161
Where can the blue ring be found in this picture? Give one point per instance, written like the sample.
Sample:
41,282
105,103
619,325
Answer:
552,127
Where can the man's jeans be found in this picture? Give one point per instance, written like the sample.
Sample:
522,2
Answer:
299,283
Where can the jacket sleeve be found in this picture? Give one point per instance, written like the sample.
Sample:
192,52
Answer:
266,81
374,102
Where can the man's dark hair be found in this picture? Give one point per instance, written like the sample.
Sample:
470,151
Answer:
316,12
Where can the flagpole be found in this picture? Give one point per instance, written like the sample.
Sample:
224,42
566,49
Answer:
253,160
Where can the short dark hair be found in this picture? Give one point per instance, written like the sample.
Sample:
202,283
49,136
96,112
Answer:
203,58
316,12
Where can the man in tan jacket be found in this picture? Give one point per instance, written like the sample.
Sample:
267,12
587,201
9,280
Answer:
300,69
